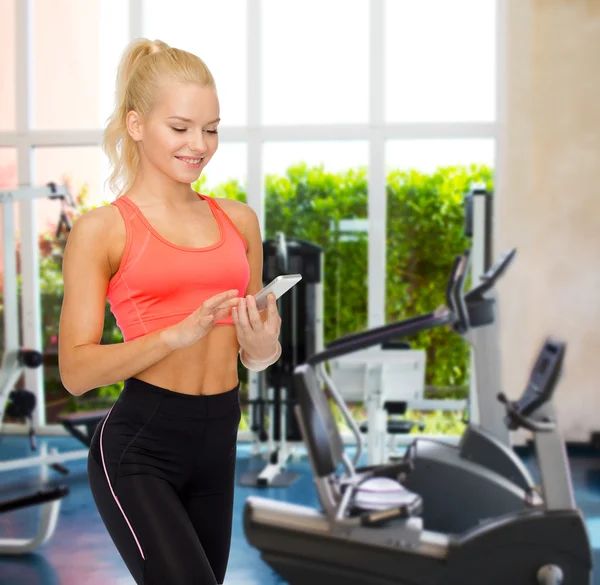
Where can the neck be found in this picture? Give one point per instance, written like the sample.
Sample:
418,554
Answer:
153,187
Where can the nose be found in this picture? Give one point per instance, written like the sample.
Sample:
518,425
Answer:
197,142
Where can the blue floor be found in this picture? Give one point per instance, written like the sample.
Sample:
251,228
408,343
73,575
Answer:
81,552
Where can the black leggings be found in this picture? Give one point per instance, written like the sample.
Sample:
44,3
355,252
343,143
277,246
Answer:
161,470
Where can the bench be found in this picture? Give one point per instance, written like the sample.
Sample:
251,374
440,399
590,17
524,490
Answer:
90,419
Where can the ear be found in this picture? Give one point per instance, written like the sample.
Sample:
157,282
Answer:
133,122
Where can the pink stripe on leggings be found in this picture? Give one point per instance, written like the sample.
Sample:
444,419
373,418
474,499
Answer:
111,489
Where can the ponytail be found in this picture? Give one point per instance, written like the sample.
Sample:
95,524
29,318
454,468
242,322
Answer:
143,65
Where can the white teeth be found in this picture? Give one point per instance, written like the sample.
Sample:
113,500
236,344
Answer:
193,161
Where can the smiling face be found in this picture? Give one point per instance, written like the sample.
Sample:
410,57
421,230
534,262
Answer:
179,136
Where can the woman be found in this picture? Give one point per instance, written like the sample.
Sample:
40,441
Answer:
179,270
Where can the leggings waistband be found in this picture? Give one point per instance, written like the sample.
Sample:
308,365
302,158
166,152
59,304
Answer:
168,402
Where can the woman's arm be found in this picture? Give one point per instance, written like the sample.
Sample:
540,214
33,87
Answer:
85,364
246,221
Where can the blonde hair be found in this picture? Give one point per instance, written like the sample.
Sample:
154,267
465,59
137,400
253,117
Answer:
144,65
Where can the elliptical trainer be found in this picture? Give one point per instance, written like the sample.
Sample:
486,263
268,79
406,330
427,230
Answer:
271,397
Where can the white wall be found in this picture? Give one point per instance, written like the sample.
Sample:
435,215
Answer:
548,203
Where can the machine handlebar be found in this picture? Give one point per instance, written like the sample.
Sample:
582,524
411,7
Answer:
488,280
457,314
515,420
539,391
365,339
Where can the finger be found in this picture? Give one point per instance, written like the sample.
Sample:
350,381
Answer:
243,316
234,316
253,314
221,314
228,304
219,298
272,313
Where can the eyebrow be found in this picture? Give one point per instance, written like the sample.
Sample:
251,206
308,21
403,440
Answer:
190,121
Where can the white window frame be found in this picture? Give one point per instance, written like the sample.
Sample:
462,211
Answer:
376,131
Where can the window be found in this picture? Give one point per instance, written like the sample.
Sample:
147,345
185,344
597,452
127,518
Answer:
7,65
114,35
328,207
335,156
84,167
315,59
427,181
198,26
65,56
8,168
228,163
434,76
426,156
75,62
8,180
440,59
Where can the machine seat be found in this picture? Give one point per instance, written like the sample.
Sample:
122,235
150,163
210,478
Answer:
374,493
378,494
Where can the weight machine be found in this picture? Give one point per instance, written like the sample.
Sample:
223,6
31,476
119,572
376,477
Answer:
20,403
271,396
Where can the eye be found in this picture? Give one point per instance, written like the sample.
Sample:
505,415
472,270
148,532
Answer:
212,131
178,129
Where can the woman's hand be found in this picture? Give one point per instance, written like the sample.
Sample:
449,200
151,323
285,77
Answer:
201,321
258,339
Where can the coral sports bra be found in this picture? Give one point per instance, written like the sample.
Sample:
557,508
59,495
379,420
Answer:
159,283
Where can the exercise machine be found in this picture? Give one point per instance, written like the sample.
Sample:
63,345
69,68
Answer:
370,529
20,403
482,475
390,379
271,396
485,362
50,501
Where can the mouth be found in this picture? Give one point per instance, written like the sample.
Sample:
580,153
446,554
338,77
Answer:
191,163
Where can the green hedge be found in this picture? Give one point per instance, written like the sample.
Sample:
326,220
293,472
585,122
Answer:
424,232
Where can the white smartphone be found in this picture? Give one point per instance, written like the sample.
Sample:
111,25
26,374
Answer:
278,287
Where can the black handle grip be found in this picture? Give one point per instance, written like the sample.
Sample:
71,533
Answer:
515,420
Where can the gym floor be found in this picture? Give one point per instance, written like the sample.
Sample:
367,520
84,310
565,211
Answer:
81,552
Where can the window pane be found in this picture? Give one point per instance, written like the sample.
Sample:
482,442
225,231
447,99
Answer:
440,60
8,168
426,155
335,156
312,203
427,181
8,180
315,61
84,168
216,32
114,36
65,64
228,164
7,65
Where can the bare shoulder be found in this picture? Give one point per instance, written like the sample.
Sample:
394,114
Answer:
240,213
100,217
95,222
235,208
102,230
